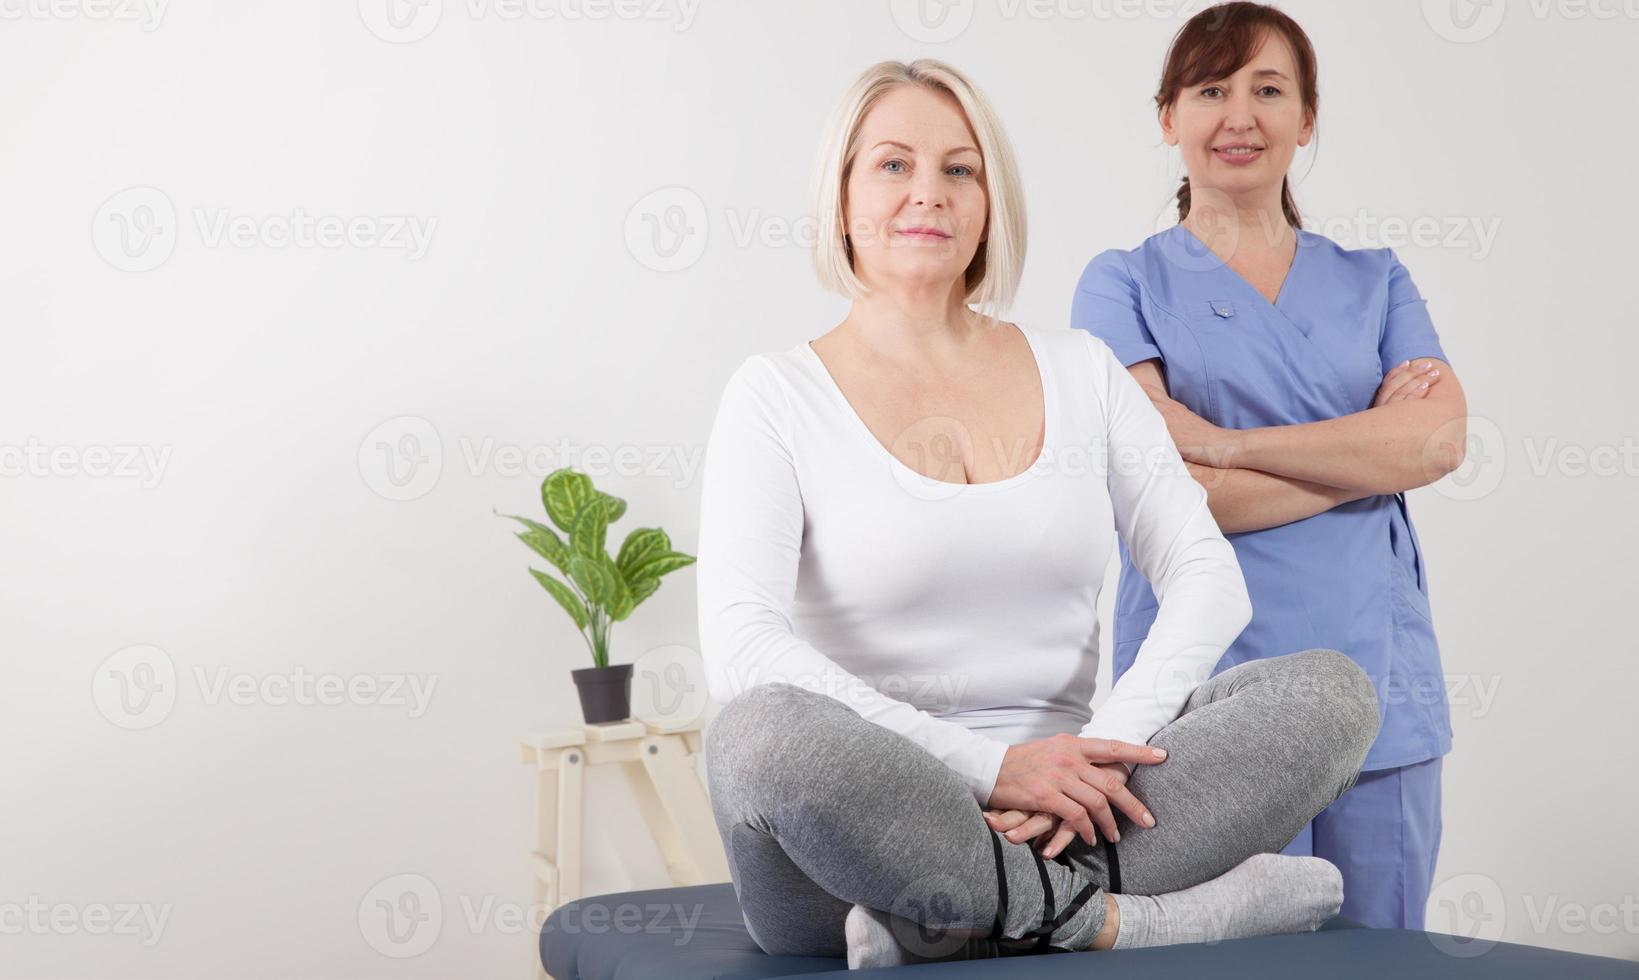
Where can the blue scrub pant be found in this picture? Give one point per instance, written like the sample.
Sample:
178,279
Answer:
1384,836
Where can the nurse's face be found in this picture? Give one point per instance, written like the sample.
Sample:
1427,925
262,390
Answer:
914,200
1238,134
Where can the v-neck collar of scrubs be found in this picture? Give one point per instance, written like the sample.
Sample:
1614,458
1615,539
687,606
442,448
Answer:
1195,244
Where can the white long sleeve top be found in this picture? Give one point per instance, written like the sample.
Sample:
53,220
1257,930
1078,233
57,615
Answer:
962,616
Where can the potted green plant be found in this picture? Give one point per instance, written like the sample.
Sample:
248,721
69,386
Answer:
596,590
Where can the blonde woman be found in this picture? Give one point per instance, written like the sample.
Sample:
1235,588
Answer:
904,527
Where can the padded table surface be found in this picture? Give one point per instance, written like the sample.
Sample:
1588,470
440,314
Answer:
697,933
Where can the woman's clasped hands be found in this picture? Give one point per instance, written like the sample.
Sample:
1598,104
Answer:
1053,789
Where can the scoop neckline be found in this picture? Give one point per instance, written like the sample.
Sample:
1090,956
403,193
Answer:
1049,393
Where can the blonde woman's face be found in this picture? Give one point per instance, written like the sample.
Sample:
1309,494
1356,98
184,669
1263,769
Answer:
914,202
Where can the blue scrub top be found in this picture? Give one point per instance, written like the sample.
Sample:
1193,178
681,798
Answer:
1351,578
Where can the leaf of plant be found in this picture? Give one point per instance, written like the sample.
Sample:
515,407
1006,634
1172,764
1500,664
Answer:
617,506
642,589
618,590
543,541
641,545
566,598
591,528
660,565
620,603
564,492
594,580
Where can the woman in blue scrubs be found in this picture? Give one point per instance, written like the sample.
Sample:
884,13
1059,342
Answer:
1306,388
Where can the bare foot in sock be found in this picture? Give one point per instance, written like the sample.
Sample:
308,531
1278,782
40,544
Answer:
883,939
1263,895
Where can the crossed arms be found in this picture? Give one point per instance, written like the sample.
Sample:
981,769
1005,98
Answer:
1412,435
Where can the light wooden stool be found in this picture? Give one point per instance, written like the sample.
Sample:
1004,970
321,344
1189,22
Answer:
660,768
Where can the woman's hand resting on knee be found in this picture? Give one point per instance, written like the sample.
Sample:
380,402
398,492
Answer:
1055,788
1049,832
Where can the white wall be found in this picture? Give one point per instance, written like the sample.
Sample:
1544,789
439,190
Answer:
261,539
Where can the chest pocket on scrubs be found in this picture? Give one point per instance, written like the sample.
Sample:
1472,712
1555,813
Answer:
1234,352
1262,369
1193,356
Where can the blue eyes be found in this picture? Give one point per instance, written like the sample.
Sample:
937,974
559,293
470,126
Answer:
965,170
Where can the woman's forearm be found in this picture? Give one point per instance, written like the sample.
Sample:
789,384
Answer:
1387,449
1251,500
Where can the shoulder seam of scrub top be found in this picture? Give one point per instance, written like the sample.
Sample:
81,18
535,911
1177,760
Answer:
1127,267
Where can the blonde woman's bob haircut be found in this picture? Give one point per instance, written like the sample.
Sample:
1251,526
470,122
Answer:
992,278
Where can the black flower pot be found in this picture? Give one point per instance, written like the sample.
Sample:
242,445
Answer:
605,692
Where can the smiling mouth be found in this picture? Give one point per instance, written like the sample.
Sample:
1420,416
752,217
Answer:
929,234
1238,150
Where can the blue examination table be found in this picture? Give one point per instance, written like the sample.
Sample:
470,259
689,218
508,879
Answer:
656,935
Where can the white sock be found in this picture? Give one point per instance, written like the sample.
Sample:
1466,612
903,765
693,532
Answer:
882,939
1263,895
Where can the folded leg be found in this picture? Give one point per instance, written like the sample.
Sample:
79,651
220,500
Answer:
820,809
1255,754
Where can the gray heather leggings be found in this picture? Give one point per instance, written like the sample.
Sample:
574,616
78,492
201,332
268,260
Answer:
820,809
